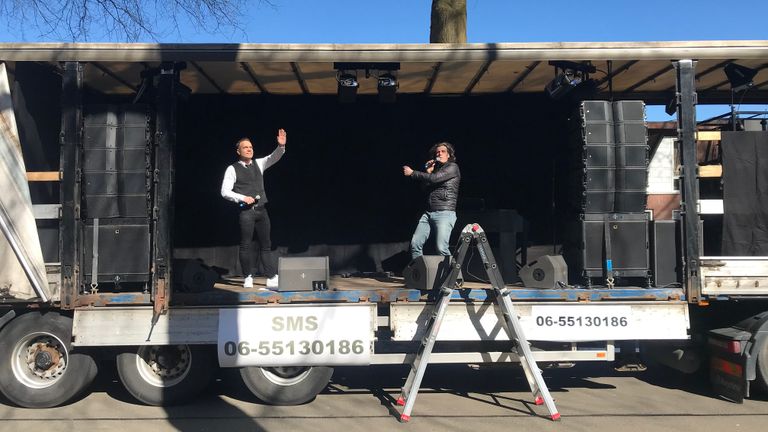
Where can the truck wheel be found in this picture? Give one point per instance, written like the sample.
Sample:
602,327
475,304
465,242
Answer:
286,385
762,368
37,367
164,375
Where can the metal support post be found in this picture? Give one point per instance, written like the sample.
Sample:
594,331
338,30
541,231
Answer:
686,133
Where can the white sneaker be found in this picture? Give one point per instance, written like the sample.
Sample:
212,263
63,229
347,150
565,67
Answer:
248,282
272,282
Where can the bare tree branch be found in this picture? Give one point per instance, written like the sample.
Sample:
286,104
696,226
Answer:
122,20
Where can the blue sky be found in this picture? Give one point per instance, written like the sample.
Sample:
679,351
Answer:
407,21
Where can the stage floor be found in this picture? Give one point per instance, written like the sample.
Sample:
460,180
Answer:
340,283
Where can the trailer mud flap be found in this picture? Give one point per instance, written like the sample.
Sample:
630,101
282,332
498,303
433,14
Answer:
728,379
728,364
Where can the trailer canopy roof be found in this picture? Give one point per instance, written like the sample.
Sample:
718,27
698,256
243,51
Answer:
630,69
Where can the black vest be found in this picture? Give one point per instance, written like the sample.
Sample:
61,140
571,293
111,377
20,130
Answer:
249,181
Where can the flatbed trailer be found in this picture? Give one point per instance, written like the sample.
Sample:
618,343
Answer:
166,340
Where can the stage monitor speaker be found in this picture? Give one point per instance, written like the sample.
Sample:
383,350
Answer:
426,272
548,271
303,273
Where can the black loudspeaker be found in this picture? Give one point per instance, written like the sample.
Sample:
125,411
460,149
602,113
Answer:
426,272
629,110
123,251
632,156
586,245
595,111
665,252
117,160
303,273
599,156
548,271
592,190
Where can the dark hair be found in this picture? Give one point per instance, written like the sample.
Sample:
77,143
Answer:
447,145
237,143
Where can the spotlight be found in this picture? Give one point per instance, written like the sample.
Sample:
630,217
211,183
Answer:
568,75
387,88
739,76
348,86
563,83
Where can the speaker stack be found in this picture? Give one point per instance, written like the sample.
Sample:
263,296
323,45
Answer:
631,156
117,178
607,233
592,181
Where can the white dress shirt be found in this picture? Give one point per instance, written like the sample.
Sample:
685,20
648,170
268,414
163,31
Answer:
230,176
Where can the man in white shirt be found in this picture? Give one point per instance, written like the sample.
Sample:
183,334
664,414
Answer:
244,184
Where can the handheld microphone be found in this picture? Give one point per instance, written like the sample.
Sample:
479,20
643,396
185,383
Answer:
257,198
429,163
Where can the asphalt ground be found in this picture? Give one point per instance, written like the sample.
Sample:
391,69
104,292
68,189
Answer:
590,397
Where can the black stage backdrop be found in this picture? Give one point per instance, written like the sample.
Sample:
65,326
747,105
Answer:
340,182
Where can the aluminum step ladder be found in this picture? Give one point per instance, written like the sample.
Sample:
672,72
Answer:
410,390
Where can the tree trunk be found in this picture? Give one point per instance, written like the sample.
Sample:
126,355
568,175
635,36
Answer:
448,21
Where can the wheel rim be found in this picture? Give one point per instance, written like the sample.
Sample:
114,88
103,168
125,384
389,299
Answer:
39,360
164,366
286,376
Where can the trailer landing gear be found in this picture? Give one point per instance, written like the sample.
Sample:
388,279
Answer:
37,367
286,385
165,375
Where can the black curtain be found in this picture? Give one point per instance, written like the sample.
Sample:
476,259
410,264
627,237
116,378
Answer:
745,193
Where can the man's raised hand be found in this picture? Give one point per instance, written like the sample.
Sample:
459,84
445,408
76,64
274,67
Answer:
282,137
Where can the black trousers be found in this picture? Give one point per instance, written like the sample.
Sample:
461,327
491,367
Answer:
256,219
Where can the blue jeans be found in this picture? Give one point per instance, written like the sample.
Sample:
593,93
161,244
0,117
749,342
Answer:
442,222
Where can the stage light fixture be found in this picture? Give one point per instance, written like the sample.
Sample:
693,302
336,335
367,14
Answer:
347,88
568,75
739,76
563,83
387,87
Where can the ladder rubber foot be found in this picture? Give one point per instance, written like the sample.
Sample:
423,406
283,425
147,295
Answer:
539,400
555,416
404,418
401,401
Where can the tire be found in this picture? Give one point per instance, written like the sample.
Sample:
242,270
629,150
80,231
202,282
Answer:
286,385
164,375
37,366
762,368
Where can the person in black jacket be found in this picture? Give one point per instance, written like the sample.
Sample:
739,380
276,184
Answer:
441,178
244,184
